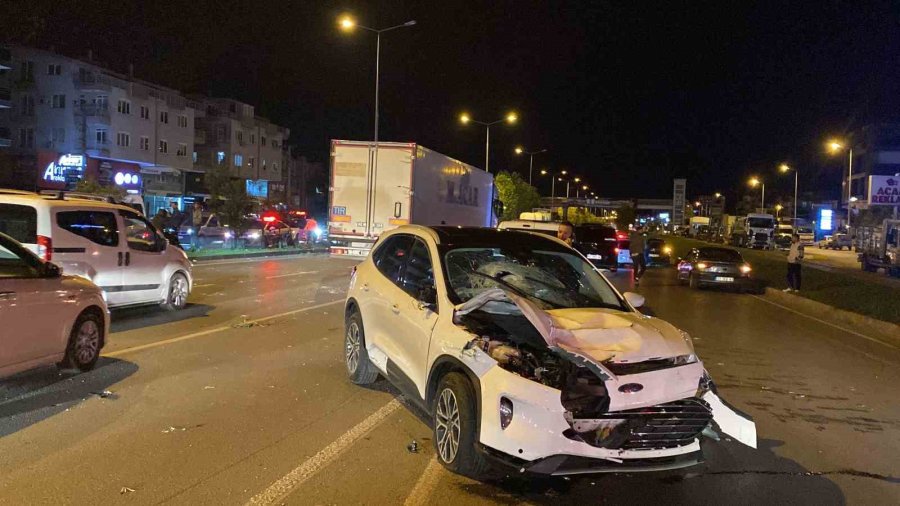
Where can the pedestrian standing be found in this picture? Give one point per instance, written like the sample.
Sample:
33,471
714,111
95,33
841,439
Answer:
196,223
639,263
795,255
159,219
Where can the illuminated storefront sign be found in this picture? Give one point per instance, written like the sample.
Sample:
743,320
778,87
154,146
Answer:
127,179
825,219
66,169
884,190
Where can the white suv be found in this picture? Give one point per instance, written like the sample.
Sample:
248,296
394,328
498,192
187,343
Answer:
112,245
526,356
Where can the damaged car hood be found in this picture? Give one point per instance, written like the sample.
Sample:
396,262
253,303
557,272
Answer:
596,333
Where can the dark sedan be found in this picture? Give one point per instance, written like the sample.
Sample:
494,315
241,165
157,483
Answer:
658,253
598,244
716,267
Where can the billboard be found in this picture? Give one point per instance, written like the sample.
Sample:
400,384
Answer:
678,195
258,188
884,190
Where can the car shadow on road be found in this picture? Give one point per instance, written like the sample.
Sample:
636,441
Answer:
30,397
732,474
139,317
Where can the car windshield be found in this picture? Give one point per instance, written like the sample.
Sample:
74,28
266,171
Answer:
551,279
720,255
760,222
804,230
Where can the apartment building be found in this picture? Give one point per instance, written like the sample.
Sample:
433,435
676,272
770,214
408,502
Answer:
5,96
229,136
70,119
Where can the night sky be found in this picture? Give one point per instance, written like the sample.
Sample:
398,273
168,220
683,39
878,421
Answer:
628,94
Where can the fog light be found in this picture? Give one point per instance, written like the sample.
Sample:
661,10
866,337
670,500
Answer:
506,412
746,268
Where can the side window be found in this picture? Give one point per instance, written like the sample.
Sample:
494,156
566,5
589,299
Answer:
419,272
98,227
14,265
140,234
391,256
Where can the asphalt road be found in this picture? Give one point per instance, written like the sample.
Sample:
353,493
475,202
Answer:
221,404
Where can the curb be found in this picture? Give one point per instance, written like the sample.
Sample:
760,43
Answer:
261,254
887,331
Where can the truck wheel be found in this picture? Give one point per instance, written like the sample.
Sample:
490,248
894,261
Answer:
455,417
356,358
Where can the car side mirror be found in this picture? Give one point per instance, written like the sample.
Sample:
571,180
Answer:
635,299
161,243
51,270
428,296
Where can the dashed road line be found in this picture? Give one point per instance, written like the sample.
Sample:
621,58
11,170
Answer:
424,487
286,484
214,330
292,274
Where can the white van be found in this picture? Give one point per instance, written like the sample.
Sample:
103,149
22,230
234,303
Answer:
110,244
541,227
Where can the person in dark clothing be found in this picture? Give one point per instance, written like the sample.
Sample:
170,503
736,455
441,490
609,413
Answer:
638,244
159,219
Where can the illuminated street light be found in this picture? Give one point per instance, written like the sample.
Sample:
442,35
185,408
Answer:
718,195
778,208
754,182
511,118
521,151
784,169
835,147
347,23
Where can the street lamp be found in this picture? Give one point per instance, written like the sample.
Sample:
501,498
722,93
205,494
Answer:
754,182
584,188
510,118
553,177
836,147
348,24
521,151
778,208
784,169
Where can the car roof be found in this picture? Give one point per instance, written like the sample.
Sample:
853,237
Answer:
482,236
50,201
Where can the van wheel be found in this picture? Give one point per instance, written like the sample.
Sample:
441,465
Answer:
356,358
177,293
455,427
85,339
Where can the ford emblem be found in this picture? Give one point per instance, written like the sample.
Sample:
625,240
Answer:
631,388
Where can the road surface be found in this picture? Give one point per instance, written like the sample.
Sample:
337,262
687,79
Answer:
243,397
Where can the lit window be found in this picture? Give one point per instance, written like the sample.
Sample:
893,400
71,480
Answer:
238,160
220,157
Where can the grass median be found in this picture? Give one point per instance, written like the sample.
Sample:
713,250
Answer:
834,288
210,253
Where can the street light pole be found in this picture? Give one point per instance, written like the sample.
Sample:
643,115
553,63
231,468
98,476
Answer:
784,168
520,150
510,118
849,185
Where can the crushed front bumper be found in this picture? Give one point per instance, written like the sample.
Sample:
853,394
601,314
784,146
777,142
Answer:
567,465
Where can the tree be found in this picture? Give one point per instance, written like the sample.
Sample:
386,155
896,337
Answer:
229,200
625,216
517,195
90,185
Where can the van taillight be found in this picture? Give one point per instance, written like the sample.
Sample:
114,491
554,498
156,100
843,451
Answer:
45,248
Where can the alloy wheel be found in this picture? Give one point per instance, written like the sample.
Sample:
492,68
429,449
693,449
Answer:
447,425
178,292
87,342
351,347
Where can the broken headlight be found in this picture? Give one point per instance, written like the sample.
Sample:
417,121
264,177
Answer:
685,359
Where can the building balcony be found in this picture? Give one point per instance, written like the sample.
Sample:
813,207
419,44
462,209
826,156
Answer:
100,111
85,81
5,137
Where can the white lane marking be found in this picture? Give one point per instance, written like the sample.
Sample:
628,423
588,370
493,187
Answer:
874,340
203,284
424,487
285,485
207,332
292,274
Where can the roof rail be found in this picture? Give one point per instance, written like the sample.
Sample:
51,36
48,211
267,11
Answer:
63,195
10,191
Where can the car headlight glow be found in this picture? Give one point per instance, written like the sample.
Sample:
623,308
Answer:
701,266
228,234
746,268
667,250
317,231
190,231
254,235
506,412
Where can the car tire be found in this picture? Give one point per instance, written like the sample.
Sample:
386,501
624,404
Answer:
454,407
359,368
83,349
177,293
694,282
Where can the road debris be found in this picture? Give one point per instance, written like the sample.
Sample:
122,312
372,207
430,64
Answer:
174,429
209,387
413,447
105,394
126,490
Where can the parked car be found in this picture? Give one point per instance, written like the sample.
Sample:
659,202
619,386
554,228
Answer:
268,232
112,245
598,244
717,266
658,252
526,357
838,242
47,317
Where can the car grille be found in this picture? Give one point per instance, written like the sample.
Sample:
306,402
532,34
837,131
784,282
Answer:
761,236
667,425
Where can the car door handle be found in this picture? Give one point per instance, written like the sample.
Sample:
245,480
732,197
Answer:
395,308
127,258
7,295
120,259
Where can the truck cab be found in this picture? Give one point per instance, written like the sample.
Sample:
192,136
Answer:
879,247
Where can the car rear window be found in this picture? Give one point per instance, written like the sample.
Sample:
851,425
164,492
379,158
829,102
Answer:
595,234
720,255
19,222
